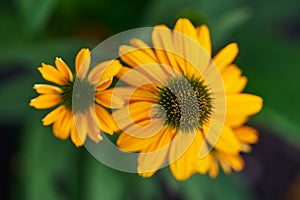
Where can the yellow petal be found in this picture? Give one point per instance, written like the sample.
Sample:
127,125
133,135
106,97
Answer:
82,63
45,101
66,124
203,164
63,69
104,84
76,139
243,104
246,148
140,78
164,47
158,74
236,162
237,85
232,79
235,121
106,121
214,168
223,163
53,115
141,45
93,126
185,27
46,89
103,71
131,94
56,128
226,56
81,124
190,158
61,127
134,77
153,157
122,72
132,113
135,57
246,134
145,128
132,144
226,142
183,153
187,45
109,99
204,38
51,74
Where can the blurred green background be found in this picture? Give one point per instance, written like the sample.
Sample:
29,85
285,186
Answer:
35,165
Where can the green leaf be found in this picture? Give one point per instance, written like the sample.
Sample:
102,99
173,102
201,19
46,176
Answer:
280,122
34,53
199,186
223,187
9,29
49,165
222,17
228,21
100,181
15,96
35,14
138,187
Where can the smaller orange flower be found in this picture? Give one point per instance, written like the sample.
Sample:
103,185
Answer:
80,100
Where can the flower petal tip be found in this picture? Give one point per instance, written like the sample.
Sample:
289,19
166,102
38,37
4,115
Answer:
100,138
77,145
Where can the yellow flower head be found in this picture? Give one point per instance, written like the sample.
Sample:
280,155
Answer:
79,100
183,108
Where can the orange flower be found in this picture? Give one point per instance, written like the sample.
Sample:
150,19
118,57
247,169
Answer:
173,97
77,98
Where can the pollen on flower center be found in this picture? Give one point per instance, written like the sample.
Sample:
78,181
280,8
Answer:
78,96
186,103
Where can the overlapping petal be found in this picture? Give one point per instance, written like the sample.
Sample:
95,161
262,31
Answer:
51,74
82,63
45,101
47,89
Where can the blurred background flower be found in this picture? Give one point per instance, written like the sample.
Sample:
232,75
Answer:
36,165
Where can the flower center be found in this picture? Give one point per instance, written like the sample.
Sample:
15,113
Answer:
186,103
78,96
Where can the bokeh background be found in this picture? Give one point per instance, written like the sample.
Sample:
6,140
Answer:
35,165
